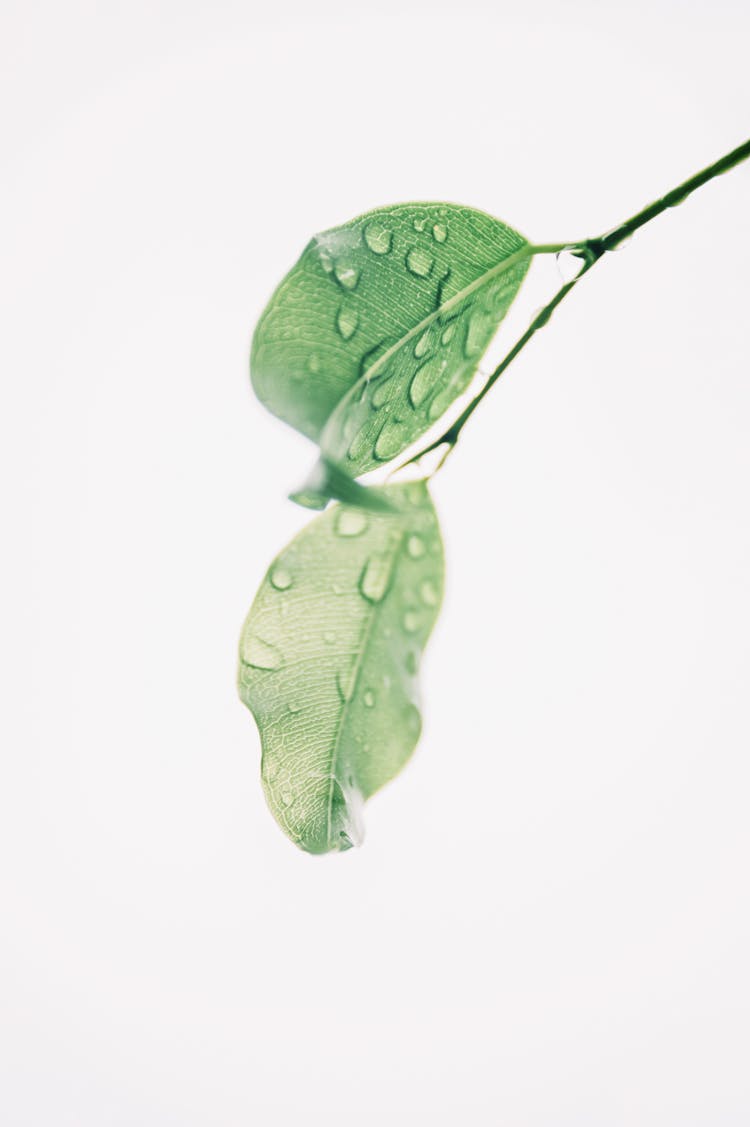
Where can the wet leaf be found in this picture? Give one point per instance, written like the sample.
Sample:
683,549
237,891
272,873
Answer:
381,325
328,482
329,658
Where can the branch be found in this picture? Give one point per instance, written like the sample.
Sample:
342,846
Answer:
590,251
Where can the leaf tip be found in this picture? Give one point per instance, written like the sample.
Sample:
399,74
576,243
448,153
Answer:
343,829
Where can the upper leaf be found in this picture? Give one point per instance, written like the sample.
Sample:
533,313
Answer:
329,657
381,324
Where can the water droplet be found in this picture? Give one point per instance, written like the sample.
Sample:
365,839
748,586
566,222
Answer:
477,333
415,546
378,238
424,380
313,362
448,333
369,698
347,276
569,265
442,402
294,708
390,441
350,522
411,621
429,593
261,654
422,345
419,262
347,681
411,663
281,579
329,637
440,232
347,321
382,393
325,260
360,443
286,797
419,224
373,582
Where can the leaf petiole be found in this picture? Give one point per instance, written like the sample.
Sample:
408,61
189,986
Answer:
590,251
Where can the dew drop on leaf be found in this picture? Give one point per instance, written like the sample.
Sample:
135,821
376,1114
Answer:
389,442
412,720
424,379
359,444
440,403
325,261
381,394
347,321
373,582
346,276
429,593
261,654
415,546
440,232
378,238
281,579
476,334
369,698
350,522
411,621
422,345
419,262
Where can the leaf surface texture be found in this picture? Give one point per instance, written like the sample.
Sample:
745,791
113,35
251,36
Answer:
381,324
329,660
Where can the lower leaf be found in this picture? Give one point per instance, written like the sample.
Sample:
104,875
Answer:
329,661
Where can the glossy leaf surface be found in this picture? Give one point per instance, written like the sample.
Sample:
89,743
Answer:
329,658
381,324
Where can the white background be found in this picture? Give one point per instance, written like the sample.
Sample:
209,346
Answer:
549,922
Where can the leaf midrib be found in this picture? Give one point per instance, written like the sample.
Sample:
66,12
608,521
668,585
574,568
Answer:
369,621
445,307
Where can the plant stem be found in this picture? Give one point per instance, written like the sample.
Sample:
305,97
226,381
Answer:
590,251
675,197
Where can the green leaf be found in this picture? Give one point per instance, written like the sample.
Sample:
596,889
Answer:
381,325
329,657
328,482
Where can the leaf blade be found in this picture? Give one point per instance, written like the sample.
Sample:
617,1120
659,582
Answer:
329,657
358,311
